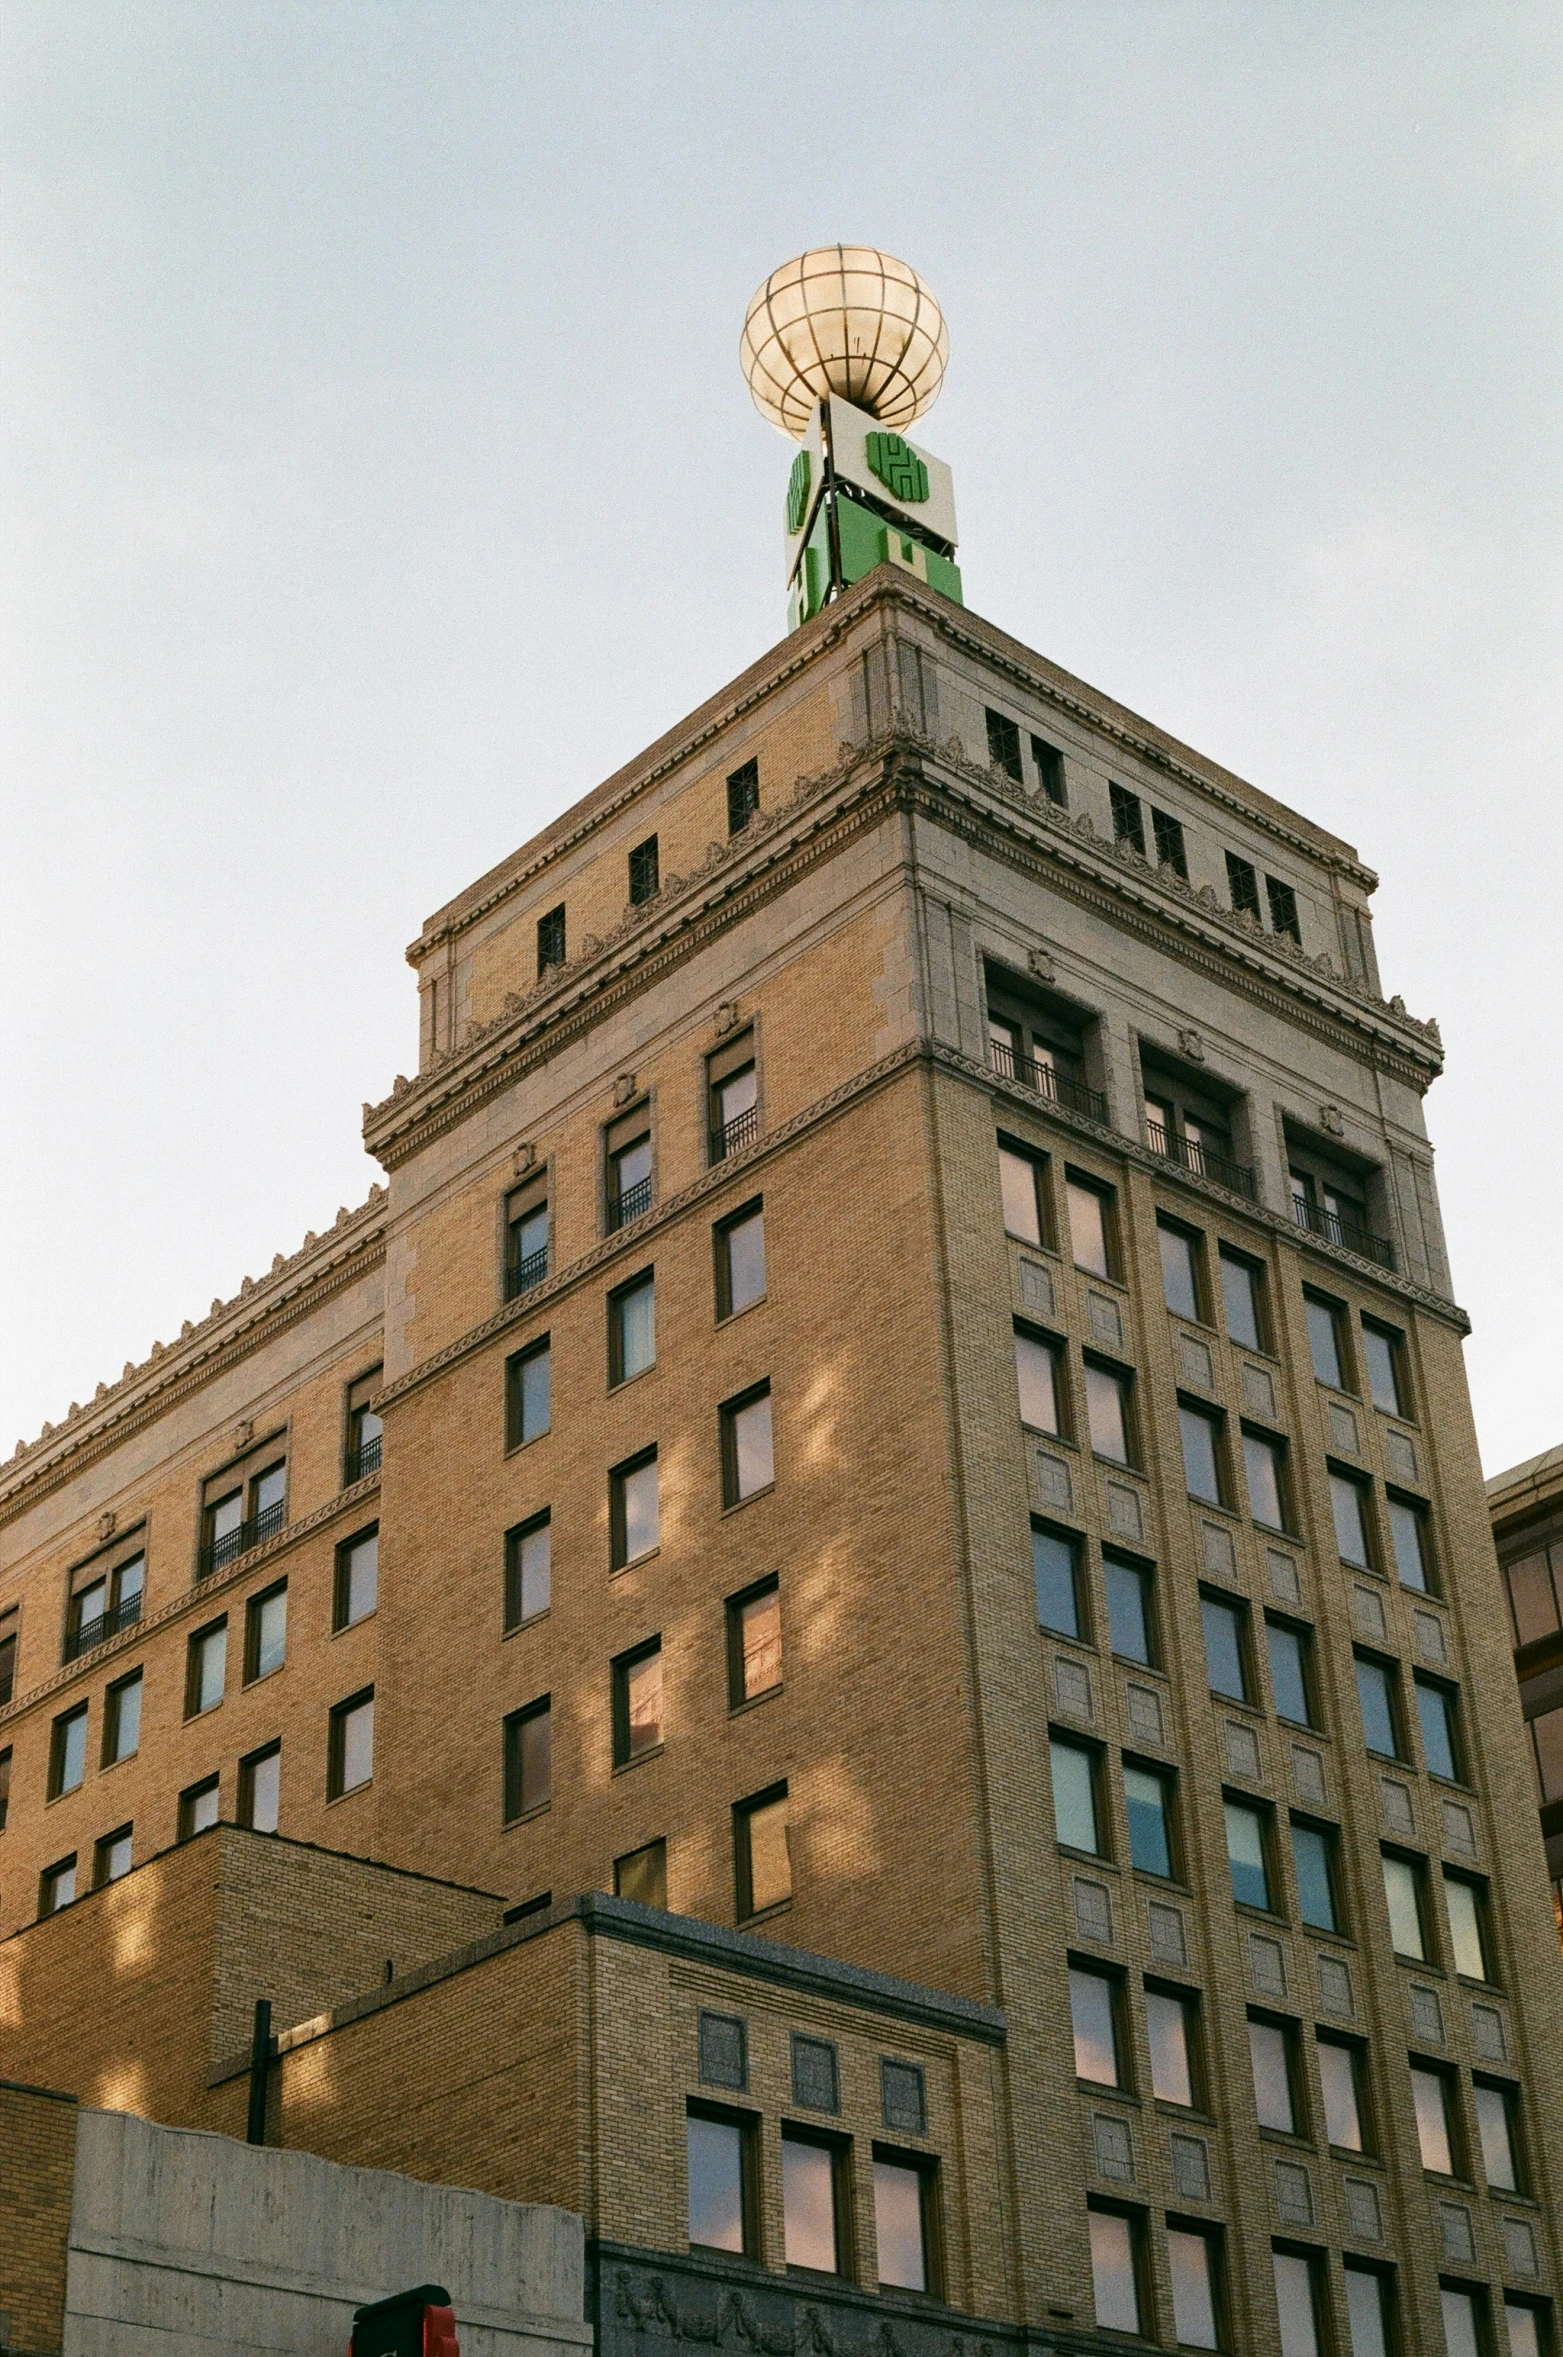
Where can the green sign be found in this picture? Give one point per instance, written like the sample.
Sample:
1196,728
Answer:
798,492
898,467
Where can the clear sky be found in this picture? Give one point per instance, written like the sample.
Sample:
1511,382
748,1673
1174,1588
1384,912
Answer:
377,476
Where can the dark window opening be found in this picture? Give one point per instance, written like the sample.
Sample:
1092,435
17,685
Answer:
1128,818
1167,835
1004,745
743,796
1050,769
550,940
1243,884
1283,909
644,872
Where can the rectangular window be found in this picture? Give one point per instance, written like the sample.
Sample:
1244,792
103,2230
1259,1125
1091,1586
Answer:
528,1394
1076,1817
365,1432
1535,1604
528,1569
754,1643
743,796
121,1719
1368,2313
1128,818
1167,835
645,872
1243,885
642,1875
1171,2030
812,2201
1430,2092
260,1789
111,1857
1004,745
1318,1881
1200,1433
748,1460
1437,1711
1546,1735
1020,1190
1465,1903
7,1656
68,1751
1379,1700
1264,1468
1130,1617
1241,1291
5,1786
1408,1537
637,1703
241,1509
1147,1795
1383,1353
720,2147
526,1238
1056,1568
1050,770
1248,1855
206,1669
1325,1324
733,1097
1272,2057
1226,1647
1349,1507
550,940
1527,2329
1496,2108
1108,1413
529,1759
1036,1375
357,1578
633,1510
1340,2083
1116,2268
350,1754
198,1808
629,1169
1464,2322
1180,1271
57,1886
104,1602
266,1633
740,1260
1093,2012
1291,1671
1283,908
632,1328
1090,1236
1191,2264
1407,1915
1298,2304
904,2210
762,1852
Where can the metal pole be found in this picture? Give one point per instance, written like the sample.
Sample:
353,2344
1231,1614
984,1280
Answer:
260,2064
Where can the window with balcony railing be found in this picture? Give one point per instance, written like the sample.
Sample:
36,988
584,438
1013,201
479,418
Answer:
1196,1145
245,1516
103,1603
1020,1054
1340,1218
526,1241
629,1170
733,1090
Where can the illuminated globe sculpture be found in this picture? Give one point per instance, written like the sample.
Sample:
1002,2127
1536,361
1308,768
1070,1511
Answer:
846,320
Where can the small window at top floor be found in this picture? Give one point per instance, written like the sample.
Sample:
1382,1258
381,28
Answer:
1050,771
1190,1122
645,872
1039,1040
743,796
365,1433
106,1596
8,1626
1330,1198
1128,818
732,1097
628,1174
526,1237
1167,836
1243,885
1004,745
243,1506
1283,908
550,940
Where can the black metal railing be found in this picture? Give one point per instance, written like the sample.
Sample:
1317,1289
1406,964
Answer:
623,1208
1345,1232
1030,1072
108,1624
243,1537
742,1130
1202,1159
365,1459
524,1274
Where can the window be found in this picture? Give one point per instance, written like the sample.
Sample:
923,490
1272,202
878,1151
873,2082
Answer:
733,1097
1377,1694
1349,1507
1264,1466
748,1461
1055,1566
266,1632
528,1394
198,1808
1075,1813
550,940
632,1510
1180,1272
1147,1797
1325,1321
720,2149
754,1643
1331,1201
1130,1622
350,1755
1039,1041
812,2201
632,1328
1283,908
1200,1432
357,1578
5,1786
1291,1671
1107,1412
1191,2263
637,1703
1089,1236
1171,2030
1403,1897
1546,1735
260,1789
206,1669
1408,1537
121,1719
1383,1353
1128,818
1525,2326
365,1433
762,1852
1368,2312
1537,1607
526,1238
903,2216
111,1857
1431,2093
1272,2056
645,872
1226,1647
242,1509
1242,1292
1297,2304
1004,745
1340,2073
103,1602
1036,1374
743,796
740,1260
1020,1189
629,1169
1093,2013
1050,770
1116,2269
1495,2108
1192,1128
1438,1712
7,1656
642,1875
816,2073
1248,1855
529,1759
1167,836
68,1751
57,1886
1465,1903
1465,2322
528,1569
1318,1882
903,2095
1243,885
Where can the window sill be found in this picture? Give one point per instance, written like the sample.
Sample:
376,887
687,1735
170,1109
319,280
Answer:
1421,1964
738,1504
69,1793
1040,1432
1162,1882
1247,1909
1275,1530
513,1448
335,1799
1101,1277
525,1816
733,1315
618,1383
1142,1669
653,1751
1290,2138
349,1625
1088,1858
262,1678
1099,2089
634,1562
1119,1465
1192,2112
530,1622
735,1710
765,1915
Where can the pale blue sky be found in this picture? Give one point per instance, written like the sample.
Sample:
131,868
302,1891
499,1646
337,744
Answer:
377,475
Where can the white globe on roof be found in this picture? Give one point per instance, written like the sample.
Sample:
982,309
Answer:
847,320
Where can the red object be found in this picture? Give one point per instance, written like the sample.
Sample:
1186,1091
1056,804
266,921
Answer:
439,2333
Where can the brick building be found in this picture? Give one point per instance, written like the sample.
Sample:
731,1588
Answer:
1527,1524
852,1628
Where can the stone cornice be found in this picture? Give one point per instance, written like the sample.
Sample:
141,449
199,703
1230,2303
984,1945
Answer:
196,1598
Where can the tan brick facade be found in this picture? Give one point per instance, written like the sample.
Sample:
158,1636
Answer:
37,2170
